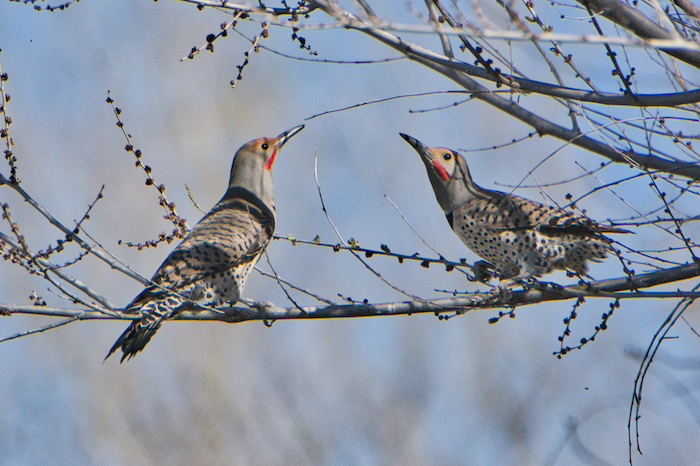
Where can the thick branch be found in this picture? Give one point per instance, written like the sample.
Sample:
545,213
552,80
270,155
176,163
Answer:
582,95
605,98
613,289
633,20
522,84
543,127
689,7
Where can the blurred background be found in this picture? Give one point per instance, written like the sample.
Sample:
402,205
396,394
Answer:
371,391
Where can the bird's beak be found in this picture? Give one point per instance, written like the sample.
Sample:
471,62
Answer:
287,135
280,141
431,162
421,148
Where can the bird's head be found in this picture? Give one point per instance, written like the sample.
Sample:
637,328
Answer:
252,165
448,173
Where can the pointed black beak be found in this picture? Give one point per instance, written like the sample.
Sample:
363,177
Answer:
421,148
417,145
287,135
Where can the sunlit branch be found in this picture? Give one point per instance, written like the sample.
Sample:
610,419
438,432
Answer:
619,288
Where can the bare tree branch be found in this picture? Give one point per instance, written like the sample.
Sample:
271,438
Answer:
541,292
72,236
414,51
633,20
689,7
446,67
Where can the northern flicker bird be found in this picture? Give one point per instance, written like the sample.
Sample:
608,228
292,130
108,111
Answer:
520,238
212,263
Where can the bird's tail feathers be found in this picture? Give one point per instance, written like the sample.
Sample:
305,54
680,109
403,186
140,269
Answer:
139,333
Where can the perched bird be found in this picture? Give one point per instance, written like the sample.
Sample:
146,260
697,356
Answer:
212,263
520,238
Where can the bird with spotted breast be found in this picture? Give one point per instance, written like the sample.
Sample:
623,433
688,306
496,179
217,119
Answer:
211,265
520,238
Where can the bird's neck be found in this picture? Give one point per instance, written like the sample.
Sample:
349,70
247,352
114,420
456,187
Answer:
244,194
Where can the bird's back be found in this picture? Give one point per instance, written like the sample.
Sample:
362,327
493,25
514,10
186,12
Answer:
524,237
209,267
212,262
503,211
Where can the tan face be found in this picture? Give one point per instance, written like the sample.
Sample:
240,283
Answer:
265,148
448,173
444,162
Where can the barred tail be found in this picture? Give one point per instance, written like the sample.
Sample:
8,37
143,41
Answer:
139,333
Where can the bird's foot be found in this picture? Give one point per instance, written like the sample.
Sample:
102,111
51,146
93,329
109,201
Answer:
505,287
504,291
544,285
483,271
530,283
261,307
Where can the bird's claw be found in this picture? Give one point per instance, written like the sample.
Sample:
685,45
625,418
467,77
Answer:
505,287
261,307
483,271
504,291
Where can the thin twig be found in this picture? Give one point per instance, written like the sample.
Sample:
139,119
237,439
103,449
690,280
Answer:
41,329
340,237
385,251
293,286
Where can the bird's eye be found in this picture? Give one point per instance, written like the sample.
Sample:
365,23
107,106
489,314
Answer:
447,156
264,146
